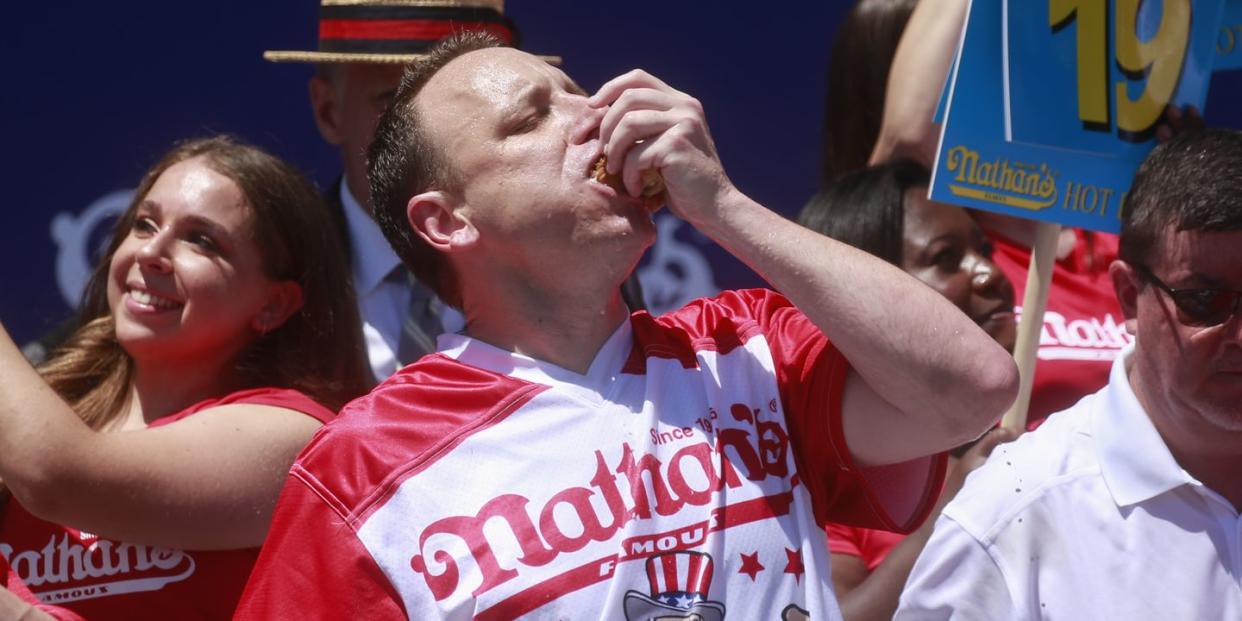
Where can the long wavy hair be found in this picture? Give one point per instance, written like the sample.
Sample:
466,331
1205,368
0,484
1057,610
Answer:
319,350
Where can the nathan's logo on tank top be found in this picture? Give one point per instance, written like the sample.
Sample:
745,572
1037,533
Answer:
64,570
724,452
1081,339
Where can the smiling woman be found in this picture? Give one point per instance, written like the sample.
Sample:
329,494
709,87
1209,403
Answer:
218,333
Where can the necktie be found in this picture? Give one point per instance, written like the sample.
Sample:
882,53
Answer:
421,324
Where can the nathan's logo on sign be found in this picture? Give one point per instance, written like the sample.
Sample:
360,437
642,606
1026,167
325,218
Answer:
633,487
1025,186
64,570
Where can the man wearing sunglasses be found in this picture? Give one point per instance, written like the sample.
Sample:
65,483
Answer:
1125,506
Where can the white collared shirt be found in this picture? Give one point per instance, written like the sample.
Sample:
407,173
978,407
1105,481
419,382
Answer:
1088,517
382,304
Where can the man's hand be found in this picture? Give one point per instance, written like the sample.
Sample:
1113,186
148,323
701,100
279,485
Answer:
973,457
898,353
652,126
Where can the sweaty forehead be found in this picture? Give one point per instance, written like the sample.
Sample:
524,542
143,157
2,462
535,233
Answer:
487,79
1213,257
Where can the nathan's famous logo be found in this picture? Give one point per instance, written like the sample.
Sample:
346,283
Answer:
1025,186
64,570
689,477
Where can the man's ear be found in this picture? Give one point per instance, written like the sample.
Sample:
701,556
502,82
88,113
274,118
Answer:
440,221
1127,283
327,109
284,299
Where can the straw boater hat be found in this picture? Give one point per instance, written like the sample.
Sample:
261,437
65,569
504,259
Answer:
398,31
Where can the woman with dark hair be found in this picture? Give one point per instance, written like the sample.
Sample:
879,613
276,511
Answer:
218,333
884,210
862,52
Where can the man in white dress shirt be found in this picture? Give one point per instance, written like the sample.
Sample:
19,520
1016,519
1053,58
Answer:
1125,506
363,49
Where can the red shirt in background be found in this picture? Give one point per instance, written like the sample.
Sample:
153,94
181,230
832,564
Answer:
103,579
869,544
1083,332
1083,326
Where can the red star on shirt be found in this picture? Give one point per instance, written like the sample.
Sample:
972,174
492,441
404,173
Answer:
795,564
751,565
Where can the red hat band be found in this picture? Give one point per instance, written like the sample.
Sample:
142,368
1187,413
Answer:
398,29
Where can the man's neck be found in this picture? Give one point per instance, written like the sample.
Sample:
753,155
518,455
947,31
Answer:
1210,454
358,198
567,330
1218,472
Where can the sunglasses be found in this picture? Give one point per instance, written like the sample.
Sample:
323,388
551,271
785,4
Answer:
1199,308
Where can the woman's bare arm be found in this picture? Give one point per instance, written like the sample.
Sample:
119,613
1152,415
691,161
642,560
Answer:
209,481
917,76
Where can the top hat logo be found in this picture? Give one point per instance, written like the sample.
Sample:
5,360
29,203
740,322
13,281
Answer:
398,31
679,584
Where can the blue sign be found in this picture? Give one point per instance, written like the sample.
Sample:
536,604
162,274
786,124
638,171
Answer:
1096,76
1065,172
942,104
1229,37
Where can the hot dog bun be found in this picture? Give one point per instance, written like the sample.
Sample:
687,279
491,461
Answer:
653,183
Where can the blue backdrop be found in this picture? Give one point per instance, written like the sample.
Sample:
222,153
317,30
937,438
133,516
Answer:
96,91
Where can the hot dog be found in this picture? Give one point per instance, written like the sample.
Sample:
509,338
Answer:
653,183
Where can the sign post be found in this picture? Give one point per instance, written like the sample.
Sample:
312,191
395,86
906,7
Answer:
1034,302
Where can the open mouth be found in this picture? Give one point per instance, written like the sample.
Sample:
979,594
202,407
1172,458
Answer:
599,173
653,184
152,301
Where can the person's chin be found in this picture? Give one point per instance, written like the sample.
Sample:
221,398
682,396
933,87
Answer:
1224,416
632,224
1002,328
644,224
141,344
1007,339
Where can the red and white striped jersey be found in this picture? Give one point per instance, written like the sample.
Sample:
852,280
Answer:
687,472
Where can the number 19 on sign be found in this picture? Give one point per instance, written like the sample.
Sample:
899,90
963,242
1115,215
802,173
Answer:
1148,53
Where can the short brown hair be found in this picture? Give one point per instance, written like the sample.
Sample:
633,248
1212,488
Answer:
402,161
1192,183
